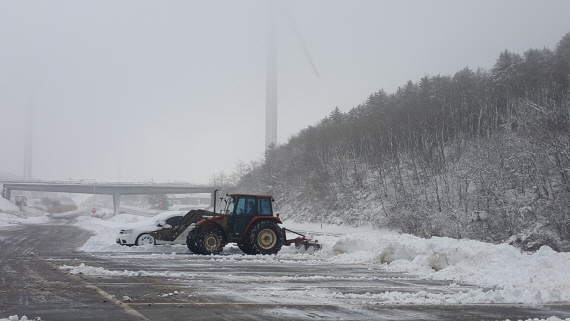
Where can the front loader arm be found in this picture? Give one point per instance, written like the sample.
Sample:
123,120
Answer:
192,217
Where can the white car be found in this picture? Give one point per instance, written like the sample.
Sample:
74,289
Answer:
137,233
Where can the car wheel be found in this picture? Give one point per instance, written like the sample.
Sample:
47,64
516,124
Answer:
145,239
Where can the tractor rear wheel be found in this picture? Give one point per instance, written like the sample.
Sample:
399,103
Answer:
265,237
210,241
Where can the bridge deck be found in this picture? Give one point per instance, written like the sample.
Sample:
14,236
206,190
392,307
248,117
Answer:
115,189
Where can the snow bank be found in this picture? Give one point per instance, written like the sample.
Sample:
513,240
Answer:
10,214
24,318
504,274
507,275
6,206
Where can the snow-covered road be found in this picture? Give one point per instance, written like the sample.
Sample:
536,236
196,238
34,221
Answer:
502,273
361,275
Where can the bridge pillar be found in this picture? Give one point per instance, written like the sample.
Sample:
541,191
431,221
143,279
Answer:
7,193
116,201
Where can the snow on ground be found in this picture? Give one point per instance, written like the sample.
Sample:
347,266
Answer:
24,318
504,273
106,231
10,214
6,206
509,275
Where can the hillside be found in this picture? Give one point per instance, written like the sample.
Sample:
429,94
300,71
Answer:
480,154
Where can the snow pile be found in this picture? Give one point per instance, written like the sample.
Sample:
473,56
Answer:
509,275
83,269
11,214
24,318
549,319
504,274
7,207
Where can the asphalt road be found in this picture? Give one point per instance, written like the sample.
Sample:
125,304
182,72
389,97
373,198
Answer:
32,283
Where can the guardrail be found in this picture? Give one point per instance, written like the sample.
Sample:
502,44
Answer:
91,182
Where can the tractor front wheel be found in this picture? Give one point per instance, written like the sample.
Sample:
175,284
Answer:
191,244
210,241
265,238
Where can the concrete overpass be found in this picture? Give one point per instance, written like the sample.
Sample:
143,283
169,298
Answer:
115,189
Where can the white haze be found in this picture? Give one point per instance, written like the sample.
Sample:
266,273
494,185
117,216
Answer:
175,90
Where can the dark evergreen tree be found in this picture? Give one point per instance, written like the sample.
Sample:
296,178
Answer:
159,201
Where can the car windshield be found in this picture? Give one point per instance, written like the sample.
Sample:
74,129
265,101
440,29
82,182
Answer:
163,217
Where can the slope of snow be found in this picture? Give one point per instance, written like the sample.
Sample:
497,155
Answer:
509,275
6,206
505,274
10,214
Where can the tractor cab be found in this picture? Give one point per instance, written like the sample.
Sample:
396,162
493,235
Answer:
244,209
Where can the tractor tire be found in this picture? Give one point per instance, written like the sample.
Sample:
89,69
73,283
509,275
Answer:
210,241
191,245
244,247
265,237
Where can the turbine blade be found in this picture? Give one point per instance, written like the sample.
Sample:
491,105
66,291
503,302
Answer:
301,41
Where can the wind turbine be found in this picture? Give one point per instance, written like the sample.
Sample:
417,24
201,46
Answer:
271,82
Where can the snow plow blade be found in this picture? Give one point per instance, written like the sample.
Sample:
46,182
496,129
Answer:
303,244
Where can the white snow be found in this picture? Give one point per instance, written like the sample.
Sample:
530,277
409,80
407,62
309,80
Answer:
502,273
7,206
511,276
10,214
24,318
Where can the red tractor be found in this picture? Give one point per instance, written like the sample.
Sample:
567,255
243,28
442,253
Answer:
247,220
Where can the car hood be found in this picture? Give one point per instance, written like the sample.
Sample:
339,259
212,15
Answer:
150,224
143,226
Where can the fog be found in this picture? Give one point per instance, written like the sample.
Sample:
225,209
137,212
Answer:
174,91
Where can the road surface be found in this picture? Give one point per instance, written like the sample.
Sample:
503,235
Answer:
39,278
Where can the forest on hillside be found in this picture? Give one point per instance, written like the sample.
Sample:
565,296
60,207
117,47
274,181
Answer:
482,154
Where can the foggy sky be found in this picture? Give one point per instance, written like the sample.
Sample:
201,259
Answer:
175,90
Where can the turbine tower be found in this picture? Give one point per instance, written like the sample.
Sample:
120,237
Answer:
28,144
271,87
271,82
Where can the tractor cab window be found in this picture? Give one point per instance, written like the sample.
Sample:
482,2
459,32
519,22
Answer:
246,206
265,206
